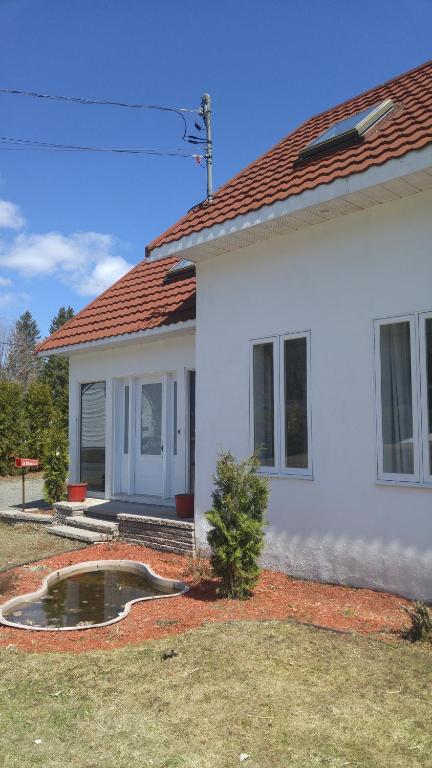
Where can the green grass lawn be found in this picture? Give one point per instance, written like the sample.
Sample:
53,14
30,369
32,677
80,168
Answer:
287,695
21,543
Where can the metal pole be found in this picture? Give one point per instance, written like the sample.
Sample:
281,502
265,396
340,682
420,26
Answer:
206,114
23,489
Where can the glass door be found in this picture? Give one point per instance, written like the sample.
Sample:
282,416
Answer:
149,449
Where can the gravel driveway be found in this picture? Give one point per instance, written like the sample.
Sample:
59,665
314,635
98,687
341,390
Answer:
11,493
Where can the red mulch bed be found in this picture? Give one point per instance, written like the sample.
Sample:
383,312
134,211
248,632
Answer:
277,597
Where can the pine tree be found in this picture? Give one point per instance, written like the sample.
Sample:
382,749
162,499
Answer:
237,524
22,364
39,413
12,425
55,371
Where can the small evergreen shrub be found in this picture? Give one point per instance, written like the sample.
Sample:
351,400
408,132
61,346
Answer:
56,462
237,522
421,622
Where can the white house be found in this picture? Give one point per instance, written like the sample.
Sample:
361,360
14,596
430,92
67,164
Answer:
312,339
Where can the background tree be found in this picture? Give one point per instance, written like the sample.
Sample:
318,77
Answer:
55,371
5,342
39,414
237,522
22,365
12,425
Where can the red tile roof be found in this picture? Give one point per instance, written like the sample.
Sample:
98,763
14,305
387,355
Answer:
139,301
274,176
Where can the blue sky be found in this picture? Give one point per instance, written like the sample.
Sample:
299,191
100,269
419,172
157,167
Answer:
72,223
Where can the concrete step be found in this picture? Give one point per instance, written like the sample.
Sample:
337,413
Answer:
77,534
90,524
17,516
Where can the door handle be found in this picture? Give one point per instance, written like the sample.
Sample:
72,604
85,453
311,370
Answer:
161,448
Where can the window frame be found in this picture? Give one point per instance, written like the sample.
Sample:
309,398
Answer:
277,340
295,471
415,478
424,437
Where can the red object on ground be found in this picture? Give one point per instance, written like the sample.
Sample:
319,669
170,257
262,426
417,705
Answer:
276,597
77,491
185,503
19,462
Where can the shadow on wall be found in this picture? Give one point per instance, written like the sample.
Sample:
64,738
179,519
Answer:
356,561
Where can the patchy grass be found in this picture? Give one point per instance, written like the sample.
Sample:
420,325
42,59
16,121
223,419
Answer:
285,694
23,543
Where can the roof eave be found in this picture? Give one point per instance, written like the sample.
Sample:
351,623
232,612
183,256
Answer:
150,334
303,210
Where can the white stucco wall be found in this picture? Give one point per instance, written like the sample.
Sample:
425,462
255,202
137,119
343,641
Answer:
174,356
334,280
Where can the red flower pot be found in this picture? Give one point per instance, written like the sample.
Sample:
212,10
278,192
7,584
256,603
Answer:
184,504
77,491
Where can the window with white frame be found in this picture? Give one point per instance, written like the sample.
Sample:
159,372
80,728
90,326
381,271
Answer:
404,398
280,403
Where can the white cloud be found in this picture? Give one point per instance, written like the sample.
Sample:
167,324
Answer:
85,260
4,282
12,299
10,216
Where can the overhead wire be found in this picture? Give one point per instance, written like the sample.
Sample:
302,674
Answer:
180,111
10,142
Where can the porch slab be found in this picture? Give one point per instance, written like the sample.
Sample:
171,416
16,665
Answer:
108,510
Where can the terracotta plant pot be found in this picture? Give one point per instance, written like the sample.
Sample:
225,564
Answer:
184,504
77,491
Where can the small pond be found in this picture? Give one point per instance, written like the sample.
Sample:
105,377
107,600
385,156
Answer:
80,597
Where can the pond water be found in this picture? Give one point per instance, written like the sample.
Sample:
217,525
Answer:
83,599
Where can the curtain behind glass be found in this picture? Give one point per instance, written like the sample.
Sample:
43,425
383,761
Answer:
396,399
263,403
92,432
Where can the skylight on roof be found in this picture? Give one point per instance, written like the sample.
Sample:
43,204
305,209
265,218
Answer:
348,130
182,265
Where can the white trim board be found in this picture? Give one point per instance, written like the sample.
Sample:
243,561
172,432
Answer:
392,180
151,334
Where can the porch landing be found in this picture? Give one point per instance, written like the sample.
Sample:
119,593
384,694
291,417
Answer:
108,510
151,525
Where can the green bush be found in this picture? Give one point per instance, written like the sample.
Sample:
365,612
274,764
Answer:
39,412
237,522
56,462
12,425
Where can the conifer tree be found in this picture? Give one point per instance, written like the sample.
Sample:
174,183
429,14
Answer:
39,413
22,364
56,462
56,370
12,425
237,522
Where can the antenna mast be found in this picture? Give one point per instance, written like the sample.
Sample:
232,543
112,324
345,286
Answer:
206,115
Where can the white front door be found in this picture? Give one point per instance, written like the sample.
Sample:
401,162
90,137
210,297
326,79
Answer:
149,447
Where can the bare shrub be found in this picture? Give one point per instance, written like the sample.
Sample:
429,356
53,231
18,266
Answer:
421,622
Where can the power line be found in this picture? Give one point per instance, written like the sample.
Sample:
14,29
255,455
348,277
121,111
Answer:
10,143
180,111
